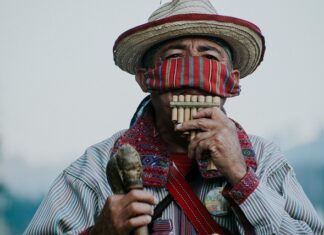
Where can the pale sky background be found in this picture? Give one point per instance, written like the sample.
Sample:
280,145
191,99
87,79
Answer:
60,91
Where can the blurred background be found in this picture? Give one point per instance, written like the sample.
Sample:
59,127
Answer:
60,91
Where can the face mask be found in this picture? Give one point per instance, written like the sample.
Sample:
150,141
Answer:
192,72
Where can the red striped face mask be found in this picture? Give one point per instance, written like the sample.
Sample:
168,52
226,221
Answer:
192,72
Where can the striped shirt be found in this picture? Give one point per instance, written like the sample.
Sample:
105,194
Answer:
278,205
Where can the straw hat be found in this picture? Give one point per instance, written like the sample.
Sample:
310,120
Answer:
188,18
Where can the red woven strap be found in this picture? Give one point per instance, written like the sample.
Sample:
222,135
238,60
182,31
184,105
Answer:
191,205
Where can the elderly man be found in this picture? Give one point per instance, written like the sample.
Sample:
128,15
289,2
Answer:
184,49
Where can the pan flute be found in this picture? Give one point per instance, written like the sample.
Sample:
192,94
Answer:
185,106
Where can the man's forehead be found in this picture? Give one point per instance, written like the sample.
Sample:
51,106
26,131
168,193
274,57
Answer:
182,42
176,43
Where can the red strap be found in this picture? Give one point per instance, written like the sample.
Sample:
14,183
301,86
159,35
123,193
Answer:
191,205
183,163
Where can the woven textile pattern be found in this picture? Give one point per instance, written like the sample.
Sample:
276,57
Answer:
192,72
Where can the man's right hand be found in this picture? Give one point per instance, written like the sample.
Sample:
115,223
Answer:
123,213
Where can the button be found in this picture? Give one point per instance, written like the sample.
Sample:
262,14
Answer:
237,195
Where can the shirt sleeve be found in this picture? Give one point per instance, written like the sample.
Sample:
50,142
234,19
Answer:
68,208
274,202
78,194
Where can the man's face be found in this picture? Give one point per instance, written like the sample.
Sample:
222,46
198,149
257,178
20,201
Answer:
191,46
186,47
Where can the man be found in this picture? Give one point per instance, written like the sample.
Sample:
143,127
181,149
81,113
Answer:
185,49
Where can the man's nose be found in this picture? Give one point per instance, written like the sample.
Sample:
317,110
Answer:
193,51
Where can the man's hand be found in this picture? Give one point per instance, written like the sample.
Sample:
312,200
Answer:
123,213
218,136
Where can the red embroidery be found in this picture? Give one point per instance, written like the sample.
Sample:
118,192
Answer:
242,190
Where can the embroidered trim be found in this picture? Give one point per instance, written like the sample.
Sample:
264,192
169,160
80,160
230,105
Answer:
242,190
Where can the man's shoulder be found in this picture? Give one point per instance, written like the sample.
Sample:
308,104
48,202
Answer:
268,154
101,151
92,164
263,145
261,142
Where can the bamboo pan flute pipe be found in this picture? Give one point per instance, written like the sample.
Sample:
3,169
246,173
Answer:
185,106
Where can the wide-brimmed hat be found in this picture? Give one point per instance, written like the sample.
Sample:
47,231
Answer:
180,18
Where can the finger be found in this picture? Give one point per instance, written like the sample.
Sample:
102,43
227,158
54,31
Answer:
195,141
139,221
202,135
203,124
117,201
205,146
141,196
138,208
212,113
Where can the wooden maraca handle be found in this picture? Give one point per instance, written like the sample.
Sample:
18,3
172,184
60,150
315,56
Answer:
122,180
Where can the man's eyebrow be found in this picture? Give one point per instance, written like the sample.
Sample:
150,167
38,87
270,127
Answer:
208,48
175,46
184,47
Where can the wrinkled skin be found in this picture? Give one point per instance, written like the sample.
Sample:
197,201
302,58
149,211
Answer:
218,136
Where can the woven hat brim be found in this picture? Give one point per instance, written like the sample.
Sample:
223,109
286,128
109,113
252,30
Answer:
244,38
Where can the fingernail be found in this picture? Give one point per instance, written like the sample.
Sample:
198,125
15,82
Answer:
149,219
178,126
156,201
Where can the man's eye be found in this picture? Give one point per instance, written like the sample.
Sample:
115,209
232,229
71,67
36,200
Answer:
211,57
177,55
